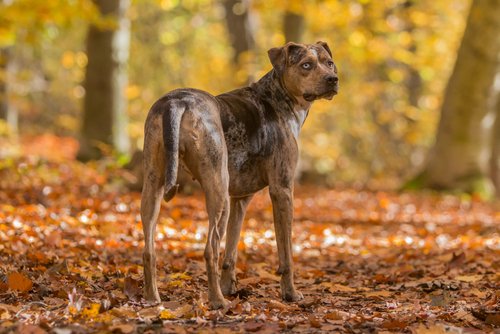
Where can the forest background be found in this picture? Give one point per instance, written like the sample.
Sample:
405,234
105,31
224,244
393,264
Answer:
394,58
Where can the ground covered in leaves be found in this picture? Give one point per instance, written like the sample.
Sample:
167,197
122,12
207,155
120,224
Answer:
366,262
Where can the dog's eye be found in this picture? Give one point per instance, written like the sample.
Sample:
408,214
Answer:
306,66
330,64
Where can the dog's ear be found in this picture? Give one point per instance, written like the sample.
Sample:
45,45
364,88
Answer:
280,56
276,57
326,47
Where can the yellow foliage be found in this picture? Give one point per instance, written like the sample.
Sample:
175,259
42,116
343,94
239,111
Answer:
167,314
370,129
91,311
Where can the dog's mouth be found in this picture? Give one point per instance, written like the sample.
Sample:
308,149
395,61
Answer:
327,95
309,97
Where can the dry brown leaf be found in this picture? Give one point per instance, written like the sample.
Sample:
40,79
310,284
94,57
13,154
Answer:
249,281
394,324
123,328
313,320
131,288
253,326
336,315
381,293
337,287
469,278
274,304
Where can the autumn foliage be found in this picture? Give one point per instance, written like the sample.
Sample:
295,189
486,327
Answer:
71,243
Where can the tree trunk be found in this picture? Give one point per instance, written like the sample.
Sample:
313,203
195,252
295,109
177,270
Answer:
241,35
460,157
105,117
413,79
293,26
495,150
7,112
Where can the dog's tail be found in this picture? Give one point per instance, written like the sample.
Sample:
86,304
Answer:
172,116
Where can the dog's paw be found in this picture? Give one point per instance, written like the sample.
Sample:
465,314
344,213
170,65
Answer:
293,296
152,298
228,289
218,303
227,284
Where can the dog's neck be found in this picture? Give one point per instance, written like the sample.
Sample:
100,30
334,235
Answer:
294,110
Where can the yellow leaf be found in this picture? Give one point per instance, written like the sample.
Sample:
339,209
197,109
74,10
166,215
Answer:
175,284
179,276
167,314
91,311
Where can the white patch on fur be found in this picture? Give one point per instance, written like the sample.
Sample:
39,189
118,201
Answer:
296,123
314,52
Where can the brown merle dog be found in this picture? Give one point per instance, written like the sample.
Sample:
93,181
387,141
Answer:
235,144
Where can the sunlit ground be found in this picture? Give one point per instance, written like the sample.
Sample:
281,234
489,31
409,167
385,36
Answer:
71,243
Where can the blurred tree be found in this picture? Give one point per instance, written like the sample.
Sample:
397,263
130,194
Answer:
495,151
413,79
8,113
460,157
26,26
105,117
241,35
293,26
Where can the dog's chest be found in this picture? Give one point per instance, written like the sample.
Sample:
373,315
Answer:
295,123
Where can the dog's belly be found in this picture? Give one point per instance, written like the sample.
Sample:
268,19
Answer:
246,174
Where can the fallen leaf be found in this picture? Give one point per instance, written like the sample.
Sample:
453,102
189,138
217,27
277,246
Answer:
274,304
394,324
167,314
493,319
123,328
469,278
131,288
335,315
314,322
249,281
337,287
19,282
30,329
264,274
253,326
382,293
91,311
457,260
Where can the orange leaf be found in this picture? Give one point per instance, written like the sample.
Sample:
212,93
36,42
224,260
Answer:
19,282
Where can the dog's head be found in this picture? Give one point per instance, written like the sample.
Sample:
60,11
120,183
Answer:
307,70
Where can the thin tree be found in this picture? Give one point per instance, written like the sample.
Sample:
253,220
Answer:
105,118
240,32
495,149
460,157
7,112
293,26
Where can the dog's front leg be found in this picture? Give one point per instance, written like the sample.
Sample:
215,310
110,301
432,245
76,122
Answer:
282,199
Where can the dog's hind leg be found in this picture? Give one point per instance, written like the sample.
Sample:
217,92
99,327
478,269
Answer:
152,193
217,201
237,213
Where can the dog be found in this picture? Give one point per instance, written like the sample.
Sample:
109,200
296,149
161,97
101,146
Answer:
234,144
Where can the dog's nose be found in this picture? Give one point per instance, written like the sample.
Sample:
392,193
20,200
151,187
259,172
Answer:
332,79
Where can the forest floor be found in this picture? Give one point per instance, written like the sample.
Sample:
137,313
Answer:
366,262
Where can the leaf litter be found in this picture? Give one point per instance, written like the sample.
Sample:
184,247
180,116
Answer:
71,260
